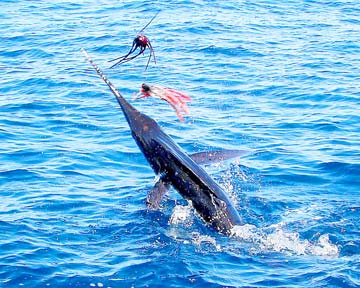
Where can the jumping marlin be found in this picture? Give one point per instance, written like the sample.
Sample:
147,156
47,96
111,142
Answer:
178,169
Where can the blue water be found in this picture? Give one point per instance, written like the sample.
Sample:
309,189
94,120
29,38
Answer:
279,79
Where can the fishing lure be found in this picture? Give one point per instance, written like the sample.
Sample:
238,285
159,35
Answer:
141,42
176,99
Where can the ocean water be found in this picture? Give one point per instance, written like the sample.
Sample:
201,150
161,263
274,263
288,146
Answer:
279,79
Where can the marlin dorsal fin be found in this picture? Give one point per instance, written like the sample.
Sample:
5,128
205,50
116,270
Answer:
216,156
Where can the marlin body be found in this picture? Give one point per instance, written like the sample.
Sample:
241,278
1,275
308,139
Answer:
178,169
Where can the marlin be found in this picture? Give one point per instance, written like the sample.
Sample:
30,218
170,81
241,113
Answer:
178,169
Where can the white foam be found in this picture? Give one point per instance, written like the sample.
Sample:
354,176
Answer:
281,241
324,247
247,232
273,238
284,242
181,214
199,240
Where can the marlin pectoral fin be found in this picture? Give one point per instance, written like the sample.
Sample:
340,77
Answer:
216,156
155,195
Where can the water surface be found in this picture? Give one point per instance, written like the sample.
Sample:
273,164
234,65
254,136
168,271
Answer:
277,78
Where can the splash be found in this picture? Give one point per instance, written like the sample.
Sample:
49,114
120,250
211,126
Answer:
181,214
205,241
184,216
273,238
284,242
324,247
